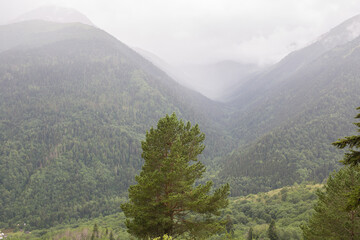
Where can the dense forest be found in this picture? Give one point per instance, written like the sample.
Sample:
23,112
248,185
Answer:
290,206
73,113
294,124
75,104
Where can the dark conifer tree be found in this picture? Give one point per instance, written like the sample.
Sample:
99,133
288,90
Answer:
95,233
229,225
353,142
331,219
111,237
250,234
166,200
272,234
352,158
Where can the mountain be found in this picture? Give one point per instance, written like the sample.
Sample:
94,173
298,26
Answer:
75,104
54,14
263,83
287,127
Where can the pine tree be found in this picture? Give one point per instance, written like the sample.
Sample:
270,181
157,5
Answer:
337,212
229,226
95,233
352,159
272,234
250,234
166,200
331,219
111,237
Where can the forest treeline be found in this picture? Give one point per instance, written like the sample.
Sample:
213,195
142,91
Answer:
72,115
290,207
75,104
286,132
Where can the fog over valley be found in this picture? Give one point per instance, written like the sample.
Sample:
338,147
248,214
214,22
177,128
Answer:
169,119
191,36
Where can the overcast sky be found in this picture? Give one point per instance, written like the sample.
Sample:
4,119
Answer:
205,31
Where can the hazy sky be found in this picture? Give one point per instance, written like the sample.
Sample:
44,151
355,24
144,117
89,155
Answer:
204,31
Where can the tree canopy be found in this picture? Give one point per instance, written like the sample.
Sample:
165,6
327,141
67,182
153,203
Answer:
331,219
352,158
167,199
337,212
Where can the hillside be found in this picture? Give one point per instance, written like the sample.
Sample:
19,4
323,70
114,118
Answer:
286,136
74,105
289,207
262,85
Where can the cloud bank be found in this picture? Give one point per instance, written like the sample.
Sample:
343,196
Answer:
206,31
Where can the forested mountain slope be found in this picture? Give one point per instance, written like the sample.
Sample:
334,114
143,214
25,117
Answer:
260,86
289,206
74,105
297,122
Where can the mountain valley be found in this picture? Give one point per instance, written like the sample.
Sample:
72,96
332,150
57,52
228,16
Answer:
75,104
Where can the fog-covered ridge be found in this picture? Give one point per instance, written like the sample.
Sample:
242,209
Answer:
54,14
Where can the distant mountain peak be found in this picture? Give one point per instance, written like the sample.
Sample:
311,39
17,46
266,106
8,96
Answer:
54,14
341,34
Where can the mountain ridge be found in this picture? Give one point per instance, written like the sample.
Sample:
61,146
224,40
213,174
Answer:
54,13
74,108
292,128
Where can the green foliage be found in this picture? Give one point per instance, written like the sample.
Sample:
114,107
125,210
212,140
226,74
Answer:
331,219
229,226
299,151
81,229
285,126
166,200
250,234
73,107
353,157
111,237
249,212
95,232
74,103
257,211
272,233
165,237
337,213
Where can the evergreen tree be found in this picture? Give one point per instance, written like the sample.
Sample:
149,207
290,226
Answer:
250,234
95,233
352,158
166,200
272,234
111,237
229,226
332,219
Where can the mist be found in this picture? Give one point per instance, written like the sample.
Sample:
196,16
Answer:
186,34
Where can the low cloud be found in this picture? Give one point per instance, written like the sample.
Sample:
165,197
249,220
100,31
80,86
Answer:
205,31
